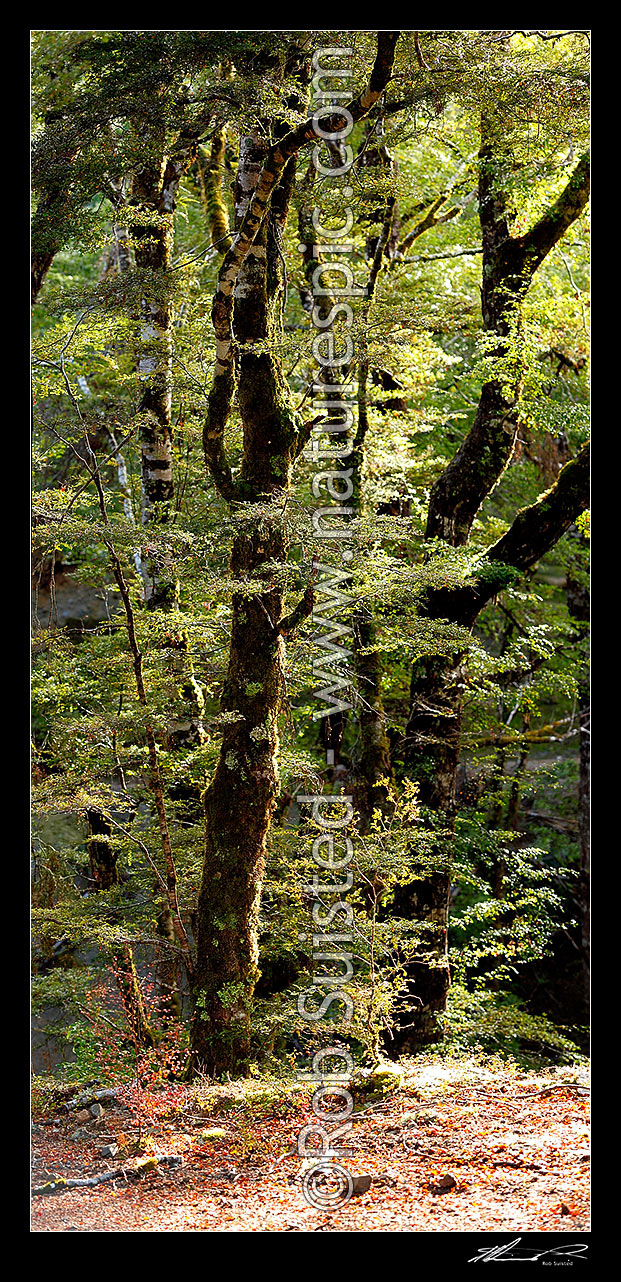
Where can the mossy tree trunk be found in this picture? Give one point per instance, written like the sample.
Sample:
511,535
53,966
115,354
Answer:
243,792
372,768
101,852
211,171
432,736
433,731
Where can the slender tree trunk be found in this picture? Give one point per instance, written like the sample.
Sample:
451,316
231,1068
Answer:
133,1002
211,174
513,803
154,196
372,767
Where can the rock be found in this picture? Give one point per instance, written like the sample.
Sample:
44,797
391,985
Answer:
377,1082
83,1115
110,1150
318,1159
80,1134
213,1133
420,1117
361,1183
96,1110
387,1078
426,1117
565,1209
443,1184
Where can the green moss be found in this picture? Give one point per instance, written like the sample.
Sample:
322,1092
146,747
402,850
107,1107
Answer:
213,1133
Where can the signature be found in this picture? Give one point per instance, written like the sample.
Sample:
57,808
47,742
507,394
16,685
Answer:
513,1251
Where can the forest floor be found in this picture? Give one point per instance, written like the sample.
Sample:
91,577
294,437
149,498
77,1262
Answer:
462,1145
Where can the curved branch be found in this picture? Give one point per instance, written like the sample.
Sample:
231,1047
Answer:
509,264
278,155
534,531
536,244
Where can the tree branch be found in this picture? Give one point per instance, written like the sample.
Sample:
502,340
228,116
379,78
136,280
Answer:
431,219
278,155
535,244
290,622
534,531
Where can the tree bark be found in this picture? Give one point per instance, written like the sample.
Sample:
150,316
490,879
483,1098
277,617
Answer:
101,853
243,792
509,264
432,736
211,171
433,729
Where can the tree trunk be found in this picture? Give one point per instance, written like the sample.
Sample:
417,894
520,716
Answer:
102,855
247,320
238,808
433,729
211,172
431,757
372,768
243,792
154,195
578,604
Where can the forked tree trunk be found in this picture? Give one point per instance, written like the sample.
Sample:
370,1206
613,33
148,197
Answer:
433,729
241,797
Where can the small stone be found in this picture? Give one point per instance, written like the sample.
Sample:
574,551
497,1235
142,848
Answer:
80,1134
110,1150
361,1184
426,1117
213,1133
409,1118
83,1115
565,1209
443,1184
96,1110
